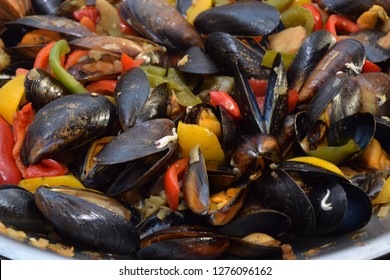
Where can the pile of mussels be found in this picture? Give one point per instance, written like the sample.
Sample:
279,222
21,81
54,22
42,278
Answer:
193,130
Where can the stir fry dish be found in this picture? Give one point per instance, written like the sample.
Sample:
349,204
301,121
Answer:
156,129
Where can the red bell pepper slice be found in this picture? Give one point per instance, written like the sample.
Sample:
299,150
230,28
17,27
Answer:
88,11
226,101
316,16
9,171
336,22
129,63
171,181
102,86
42,58
88,23
369,66
259,87
45,168
292,99
74,57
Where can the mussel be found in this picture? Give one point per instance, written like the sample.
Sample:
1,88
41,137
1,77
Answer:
79,119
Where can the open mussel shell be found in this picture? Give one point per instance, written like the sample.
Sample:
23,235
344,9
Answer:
18,210
220,175
155,105
54,23
360,128
278,190
158,21
195,187
196,61
223,215
247,18
382,132
109,44
339,206
79,118
137,142
358,212
88,219
183,242
256,218
140,172
250,250
131,92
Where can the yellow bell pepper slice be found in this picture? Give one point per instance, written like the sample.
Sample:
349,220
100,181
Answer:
11,95
64,180
196,8
384,196
320,163
192,134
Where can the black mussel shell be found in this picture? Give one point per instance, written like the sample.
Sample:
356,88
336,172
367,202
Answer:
41,88
158,21
196,61
18,210
311,51
131,92
247,19
138,141
67,123
86,223
155,105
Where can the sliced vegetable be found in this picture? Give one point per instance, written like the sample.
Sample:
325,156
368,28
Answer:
87,11
292,99
74,57
298,15
320,163
369,66
191,135
102,86
171,181
42,58
269,57
226,101
281,5
59,49
65,180
196,8
259,87
9,171
44,168
129,63
384,196
316,16
11,95
339,24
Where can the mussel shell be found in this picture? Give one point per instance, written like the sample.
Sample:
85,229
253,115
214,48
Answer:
261,220
87,224
226,51
158,21
358,212
137,175
352,8
247,18
382,132
18,210
278,191
330,203
195,186
311,51
109,44
45,7
347,55
248,250
137,142
79,118
220,175
41,88
196,61
54,23
131,92
155,105
226,213
187,248
183,242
